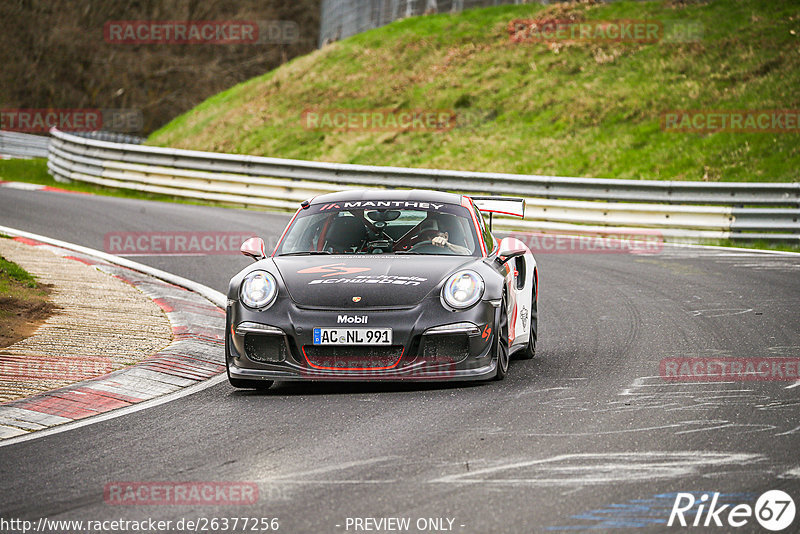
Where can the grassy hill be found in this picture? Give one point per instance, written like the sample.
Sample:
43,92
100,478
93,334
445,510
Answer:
584,108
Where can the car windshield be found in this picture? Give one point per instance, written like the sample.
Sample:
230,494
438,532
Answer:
381,227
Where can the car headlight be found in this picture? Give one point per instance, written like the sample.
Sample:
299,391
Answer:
463,289
259,289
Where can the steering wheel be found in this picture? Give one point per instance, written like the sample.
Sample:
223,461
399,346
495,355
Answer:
427,246
424,236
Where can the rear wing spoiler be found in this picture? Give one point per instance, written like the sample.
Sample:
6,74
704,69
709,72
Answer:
513,206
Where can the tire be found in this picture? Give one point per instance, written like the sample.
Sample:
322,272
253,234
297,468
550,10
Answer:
501,335
529,352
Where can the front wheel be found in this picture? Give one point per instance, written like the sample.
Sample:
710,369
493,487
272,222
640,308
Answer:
501,333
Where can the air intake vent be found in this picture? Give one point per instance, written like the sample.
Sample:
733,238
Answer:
445,348
265,348
350,358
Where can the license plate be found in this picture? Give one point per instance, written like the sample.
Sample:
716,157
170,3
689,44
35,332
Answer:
352,336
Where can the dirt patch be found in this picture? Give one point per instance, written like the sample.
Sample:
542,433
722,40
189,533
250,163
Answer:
24,304
21,318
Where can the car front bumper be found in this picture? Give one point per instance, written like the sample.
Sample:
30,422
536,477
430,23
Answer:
429,343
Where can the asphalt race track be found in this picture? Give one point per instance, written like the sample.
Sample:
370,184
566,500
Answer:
585,436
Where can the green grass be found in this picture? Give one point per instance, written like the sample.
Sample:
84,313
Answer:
581,109
11,271
25,170
23,302
758,244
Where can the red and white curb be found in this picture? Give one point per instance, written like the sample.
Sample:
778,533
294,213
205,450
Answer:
195,355
25,186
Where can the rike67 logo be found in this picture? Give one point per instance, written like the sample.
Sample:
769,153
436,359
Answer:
774,510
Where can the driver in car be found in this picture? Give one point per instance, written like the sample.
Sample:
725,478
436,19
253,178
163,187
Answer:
441,239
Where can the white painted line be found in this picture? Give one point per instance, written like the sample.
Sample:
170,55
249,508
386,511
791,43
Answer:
335,467
793,385
23,185
716,247
152,403
595,433
329,482
214,296
601,468
167,254
719,312
726,424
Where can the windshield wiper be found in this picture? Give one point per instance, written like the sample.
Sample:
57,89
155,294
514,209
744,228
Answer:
305,253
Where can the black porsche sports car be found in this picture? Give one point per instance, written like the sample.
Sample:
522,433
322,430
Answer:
384,285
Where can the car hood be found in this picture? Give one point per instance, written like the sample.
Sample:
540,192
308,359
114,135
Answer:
353,282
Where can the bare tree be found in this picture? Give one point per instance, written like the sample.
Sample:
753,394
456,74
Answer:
54,55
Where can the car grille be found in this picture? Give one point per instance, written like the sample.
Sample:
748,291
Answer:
265,348
445,348
350,358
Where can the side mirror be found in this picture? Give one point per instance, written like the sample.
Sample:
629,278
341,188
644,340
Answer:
509,249
254,248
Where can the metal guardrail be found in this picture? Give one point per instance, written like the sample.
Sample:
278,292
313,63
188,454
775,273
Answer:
21,145
24,145
342,18
113,137
675,210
